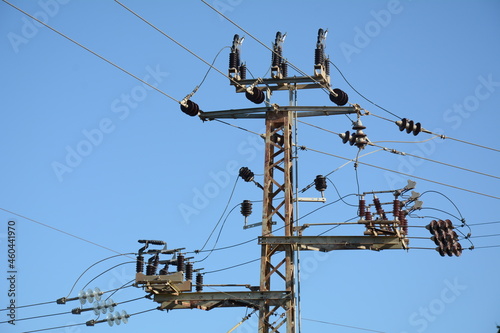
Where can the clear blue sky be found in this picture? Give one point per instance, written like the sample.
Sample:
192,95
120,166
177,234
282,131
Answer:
88,150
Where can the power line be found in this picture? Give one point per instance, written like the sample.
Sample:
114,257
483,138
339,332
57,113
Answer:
234,266
405,174
484,223
59,230
394,151
441,136
360,94
176,42
330,323
89,50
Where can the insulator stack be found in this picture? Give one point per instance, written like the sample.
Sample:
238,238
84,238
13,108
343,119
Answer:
246,174
445,238
257,96
243,71
139,266
284,69
378,206
189,271
340,97
327,66
276,57
180,263
361,208
191,108
233,60
246,208
318,56
199,282
409,125
368,215
320,183
396,206
403,221
164,270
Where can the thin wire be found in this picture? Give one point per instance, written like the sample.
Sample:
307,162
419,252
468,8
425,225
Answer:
35,317
483,223
394,151
356,169
397,141
222,215
481,236
59,230
451,201
441,136
234,266
209,68
218,236
338,193
122,287
330,323
117,255
53,328
405,174
360,94
485,247
29,305
238,127
89,50
176,42
123,263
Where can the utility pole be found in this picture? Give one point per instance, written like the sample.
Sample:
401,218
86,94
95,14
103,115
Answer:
275,297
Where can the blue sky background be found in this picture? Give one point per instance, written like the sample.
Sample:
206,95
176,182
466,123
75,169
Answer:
423,60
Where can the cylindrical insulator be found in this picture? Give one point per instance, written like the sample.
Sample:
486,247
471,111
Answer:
320,183
403,221
139,266
318,56
396,206
246,208
233,60
284,69
243,72
180,263
199,282
189,271
378,206
327,66
151,268
361,207
368,215
257,96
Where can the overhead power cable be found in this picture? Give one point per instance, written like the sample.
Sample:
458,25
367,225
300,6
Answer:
89,50
402,173
348,326
360,94
441,136
59,230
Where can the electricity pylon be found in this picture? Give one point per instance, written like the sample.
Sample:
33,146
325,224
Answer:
275,297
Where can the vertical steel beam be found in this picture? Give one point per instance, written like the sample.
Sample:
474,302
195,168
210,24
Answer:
278,207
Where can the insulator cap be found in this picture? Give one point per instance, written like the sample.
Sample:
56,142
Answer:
320,183
246,208
246,174
361,208
341,98
191,109
409,125
243,72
